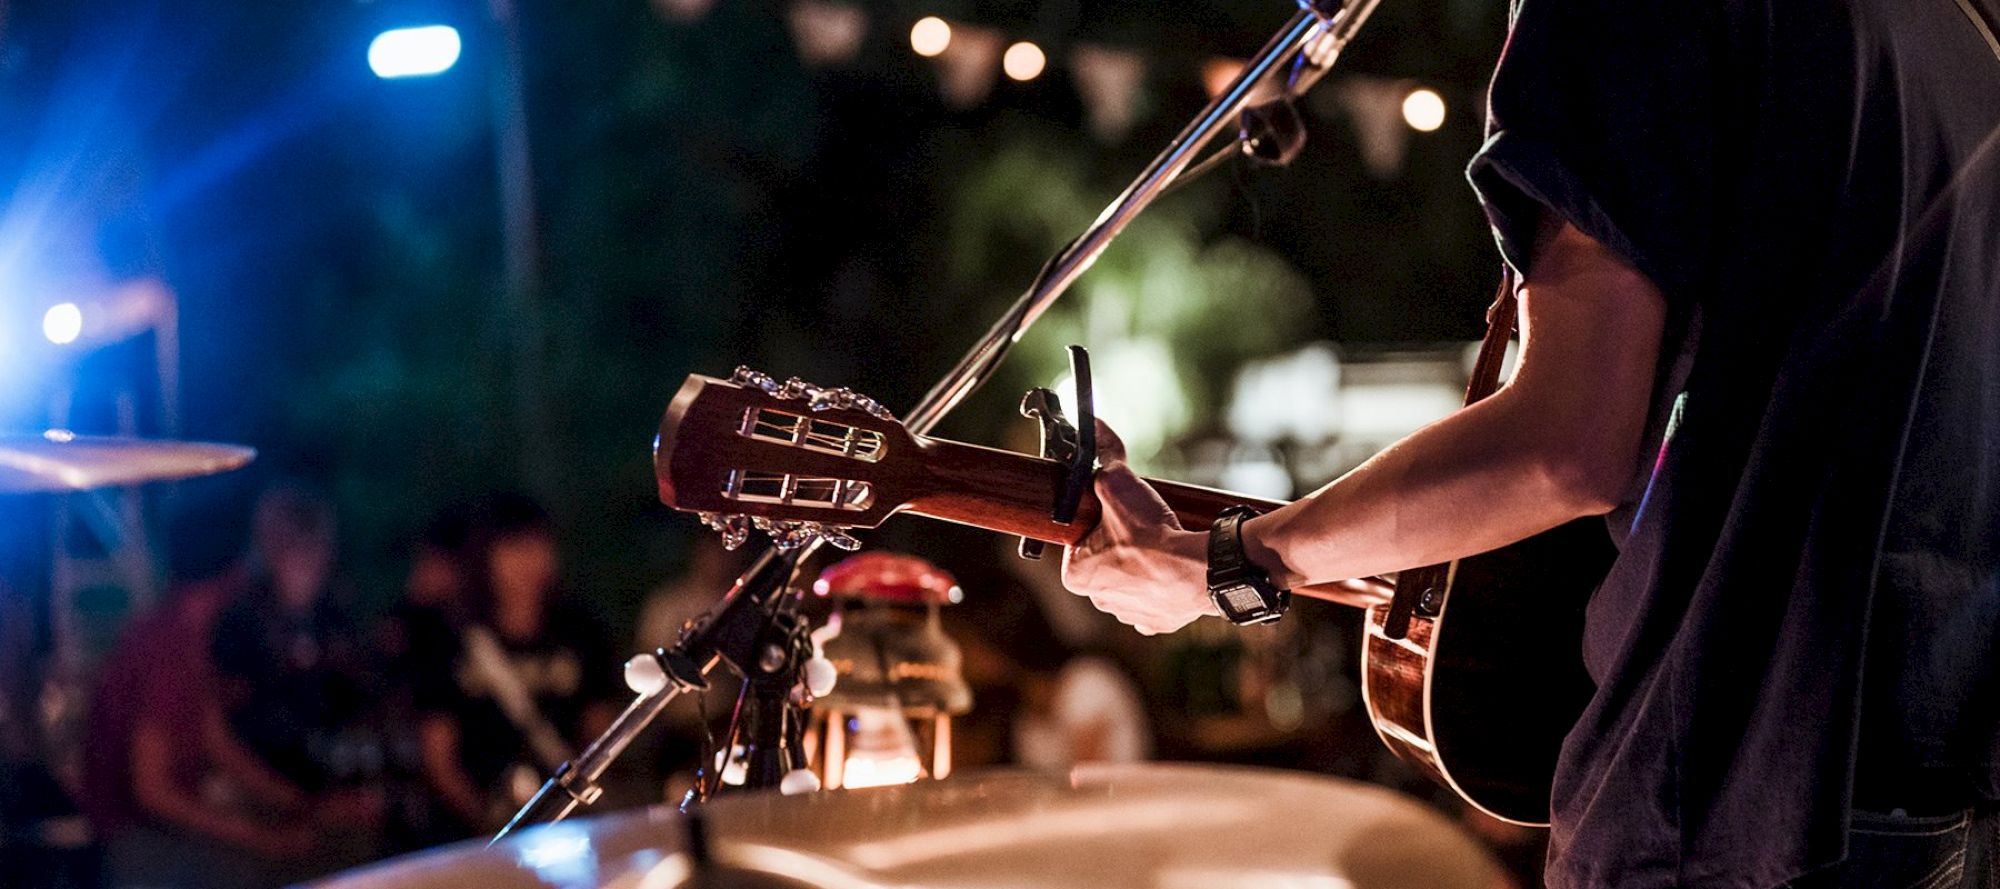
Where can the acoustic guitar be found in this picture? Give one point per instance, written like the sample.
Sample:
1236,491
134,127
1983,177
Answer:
1482,709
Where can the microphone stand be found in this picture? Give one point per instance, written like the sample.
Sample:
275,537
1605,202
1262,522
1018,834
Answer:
748,629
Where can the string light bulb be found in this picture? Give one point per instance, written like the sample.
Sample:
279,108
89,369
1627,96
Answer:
1024,61
930,36
1423,110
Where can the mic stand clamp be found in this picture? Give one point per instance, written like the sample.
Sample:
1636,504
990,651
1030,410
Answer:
767,729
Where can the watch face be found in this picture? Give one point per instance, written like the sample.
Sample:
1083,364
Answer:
1241,600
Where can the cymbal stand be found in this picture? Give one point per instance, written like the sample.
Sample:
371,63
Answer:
1294,59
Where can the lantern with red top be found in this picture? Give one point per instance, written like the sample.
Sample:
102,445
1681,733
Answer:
901,678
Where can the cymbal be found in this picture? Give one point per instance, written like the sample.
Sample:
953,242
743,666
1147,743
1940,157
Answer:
58,460
1105,827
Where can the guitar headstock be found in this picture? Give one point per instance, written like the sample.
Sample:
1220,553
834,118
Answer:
798,461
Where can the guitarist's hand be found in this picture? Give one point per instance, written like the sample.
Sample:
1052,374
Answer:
1138,565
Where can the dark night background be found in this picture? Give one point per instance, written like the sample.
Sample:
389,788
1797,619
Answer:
706,199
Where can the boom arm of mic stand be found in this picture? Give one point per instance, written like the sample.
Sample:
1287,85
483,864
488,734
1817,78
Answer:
1312,38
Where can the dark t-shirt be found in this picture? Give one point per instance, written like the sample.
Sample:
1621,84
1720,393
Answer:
1815,187
570,666
299,685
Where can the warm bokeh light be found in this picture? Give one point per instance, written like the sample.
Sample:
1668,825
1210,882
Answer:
930,36
1218,73
1423,110
62,323
414,52
1023,61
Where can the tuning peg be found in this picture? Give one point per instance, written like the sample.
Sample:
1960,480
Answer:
744,376
817,398
735,528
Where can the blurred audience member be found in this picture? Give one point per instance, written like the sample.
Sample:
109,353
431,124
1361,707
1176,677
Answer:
177,800
1087,710
1076,701
520,682
434,597
413,638
295,669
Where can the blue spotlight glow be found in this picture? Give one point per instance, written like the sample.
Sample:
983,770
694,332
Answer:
414,52
62,323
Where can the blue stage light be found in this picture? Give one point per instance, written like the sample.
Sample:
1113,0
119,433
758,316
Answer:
62,323
414,52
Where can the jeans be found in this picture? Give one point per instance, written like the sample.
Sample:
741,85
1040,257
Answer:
1892,851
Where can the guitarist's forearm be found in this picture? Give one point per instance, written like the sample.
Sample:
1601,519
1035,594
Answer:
1560,441
1431,498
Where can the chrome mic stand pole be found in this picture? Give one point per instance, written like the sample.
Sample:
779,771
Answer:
1307,45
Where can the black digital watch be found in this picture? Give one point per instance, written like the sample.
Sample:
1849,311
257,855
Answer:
1243,592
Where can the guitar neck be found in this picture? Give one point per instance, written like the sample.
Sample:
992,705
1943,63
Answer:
1014,493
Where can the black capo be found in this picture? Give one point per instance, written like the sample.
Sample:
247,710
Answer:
1073,445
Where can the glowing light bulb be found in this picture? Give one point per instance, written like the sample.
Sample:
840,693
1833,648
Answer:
883,752
414,52
930,36
62,323
1423,110
1024,61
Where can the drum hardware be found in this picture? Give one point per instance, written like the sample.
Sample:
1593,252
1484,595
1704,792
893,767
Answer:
1302,51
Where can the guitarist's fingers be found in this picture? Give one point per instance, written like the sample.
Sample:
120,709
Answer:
1110,448
1129,502
1116,481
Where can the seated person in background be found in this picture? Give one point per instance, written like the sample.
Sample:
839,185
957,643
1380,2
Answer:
517,685
178,800
297,678
1086,710
420,621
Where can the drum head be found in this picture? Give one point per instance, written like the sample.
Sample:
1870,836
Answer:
1113,827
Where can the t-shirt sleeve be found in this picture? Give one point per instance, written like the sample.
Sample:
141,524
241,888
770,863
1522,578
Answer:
1610,114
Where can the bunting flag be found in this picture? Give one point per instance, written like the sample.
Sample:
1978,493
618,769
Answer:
826,33
683,10
1108,81
1374,106
969,65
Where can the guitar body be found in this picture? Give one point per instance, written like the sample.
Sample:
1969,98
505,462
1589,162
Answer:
1490,677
